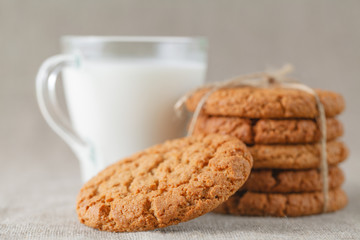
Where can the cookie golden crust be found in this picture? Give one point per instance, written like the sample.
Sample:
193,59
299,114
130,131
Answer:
268,131
165,184
250,102
234,126
282,205
289,181
299,156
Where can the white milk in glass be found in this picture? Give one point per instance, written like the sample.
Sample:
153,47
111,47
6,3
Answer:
132,101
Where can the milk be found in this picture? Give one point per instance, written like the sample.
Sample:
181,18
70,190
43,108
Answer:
121,107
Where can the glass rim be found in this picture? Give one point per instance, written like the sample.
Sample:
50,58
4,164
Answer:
132,39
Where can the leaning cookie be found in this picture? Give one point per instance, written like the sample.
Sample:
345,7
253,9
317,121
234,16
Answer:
165,184
247,102
299,156
268,131
292,181
282,205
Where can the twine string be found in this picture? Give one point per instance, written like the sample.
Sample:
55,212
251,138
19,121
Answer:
267,79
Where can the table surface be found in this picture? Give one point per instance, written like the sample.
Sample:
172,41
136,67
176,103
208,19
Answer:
39,187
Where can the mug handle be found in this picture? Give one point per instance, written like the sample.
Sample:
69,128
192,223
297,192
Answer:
49,107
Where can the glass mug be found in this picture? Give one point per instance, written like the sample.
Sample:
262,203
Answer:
119,92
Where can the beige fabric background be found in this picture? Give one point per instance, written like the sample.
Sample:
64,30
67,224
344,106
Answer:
39,175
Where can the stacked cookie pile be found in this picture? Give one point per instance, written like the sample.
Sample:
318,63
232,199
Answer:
279,126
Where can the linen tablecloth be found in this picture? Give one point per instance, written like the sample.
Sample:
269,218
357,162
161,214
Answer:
39,182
